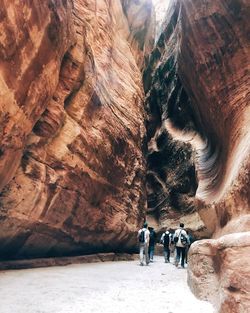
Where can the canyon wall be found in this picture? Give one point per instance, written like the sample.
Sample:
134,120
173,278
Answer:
77,165
72,127
198,93
171,180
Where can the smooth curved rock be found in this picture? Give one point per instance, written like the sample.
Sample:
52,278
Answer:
79,187
34,39
199,73
215,49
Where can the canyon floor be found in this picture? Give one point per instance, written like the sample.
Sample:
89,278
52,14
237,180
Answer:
99,287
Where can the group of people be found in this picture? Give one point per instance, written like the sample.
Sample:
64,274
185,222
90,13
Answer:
178,241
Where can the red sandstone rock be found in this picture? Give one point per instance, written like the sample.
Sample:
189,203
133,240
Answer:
34,38
222,275
212,60
197,91
72,113
171,173
215,49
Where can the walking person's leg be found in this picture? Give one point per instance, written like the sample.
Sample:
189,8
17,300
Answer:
183,256
186,258
172,251
152,251
141,253
146,254
165,251
168,254
178,254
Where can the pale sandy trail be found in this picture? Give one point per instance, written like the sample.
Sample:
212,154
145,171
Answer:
99,287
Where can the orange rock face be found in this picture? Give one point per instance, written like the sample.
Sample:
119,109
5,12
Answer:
218,272
198,92
34,39
171,173
211,53
72,127
214,49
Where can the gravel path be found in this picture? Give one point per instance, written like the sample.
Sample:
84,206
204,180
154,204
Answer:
110,287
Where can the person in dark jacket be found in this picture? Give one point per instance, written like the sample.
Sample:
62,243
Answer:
152,242
165,240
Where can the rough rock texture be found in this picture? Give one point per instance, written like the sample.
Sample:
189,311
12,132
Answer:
171,174
200,71
72,127
34,39
222,276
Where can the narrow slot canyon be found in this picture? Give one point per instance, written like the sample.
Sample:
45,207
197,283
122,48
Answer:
113,113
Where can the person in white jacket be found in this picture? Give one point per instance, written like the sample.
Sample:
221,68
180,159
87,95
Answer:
143,237
181,241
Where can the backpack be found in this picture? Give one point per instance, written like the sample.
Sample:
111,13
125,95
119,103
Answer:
171,238
152,238
166,240
142,236
184,240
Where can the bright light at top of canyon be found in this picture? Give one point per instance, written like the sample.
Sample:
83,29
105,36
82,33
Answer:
161,7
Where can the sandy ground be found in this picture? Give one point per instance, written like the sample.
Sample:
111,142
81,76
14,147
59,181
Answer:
99,287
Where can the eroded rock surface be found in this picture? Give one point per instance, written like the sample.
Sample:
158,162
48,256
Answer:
199,73
222,276
171,173
34,39
72,168
72,118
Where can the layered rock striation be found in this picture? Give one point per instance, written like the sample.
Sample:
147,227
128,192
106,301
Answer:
72,128
171,172
197,84
76,163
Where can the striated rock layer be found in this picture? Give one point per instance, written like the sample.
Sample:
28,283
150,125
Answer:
197,83
215,48
171,179
72,128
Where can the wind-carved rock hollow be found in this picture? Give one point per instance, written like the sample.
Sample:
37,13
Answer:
103,123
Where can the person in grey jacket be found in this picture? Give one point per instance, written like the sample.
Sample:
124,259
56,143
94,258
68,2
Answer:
181,241
143,237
